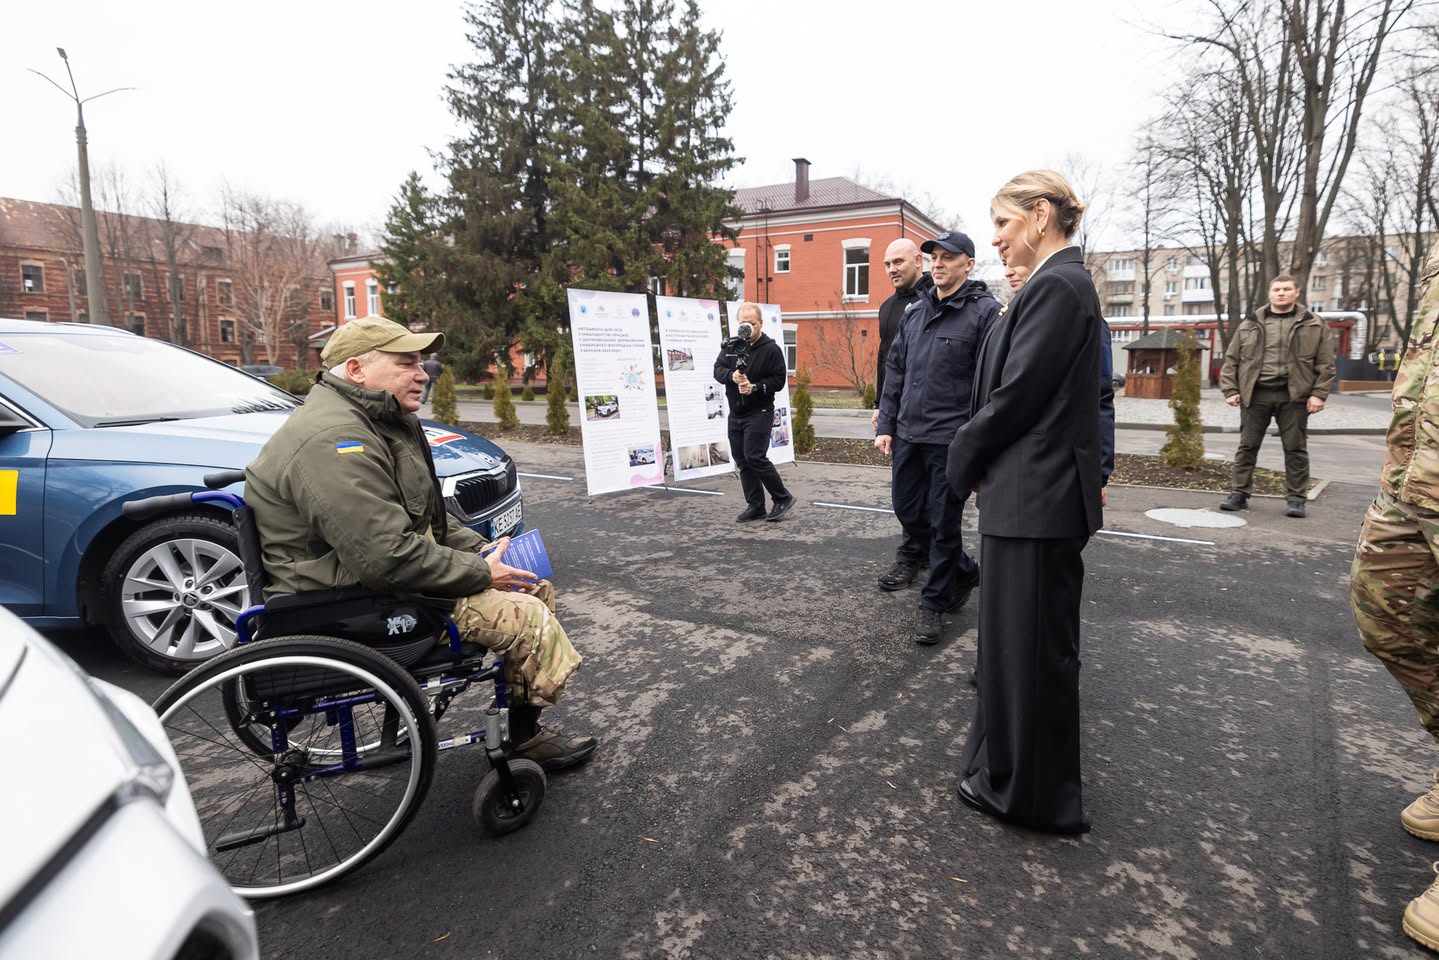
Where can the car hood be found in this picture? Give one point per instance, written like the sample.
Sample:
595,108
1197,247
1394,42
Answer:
233,440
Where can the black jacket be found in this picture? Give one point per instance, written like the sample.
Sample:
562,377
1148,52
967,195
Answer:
1032,446
931,364
891,316
766,370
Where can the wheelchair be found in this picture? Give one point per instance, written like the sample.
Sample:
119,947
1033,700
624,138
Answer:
309,746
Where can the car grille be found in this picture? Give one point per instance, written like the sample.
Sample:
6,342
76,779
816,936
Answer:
476,495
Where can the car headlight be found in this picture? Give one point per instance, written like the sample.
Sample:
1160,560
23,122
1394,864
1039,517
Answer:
152,774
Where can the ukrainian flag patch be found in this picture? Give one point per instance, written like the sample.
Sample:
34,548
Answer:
350,446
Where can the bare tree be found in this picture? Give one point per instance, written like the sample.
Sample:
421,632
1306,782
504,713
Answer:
274,257
173,237
1088,180
843,347
1151,210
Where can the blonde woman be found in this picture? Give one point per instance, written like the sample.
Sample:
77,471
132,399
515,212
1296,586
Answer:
1032,450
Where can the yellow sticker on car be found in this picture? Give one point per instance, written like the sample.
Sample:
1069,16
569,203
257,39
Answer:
9,491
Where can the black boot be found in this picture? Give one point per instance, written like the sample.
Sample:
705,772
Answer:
551,749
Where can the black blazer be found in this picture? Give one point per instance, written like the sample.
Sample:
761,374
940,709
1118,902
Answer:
1031,445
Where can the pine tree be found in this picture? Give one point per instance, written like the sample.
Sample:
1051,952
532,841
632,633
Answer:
505,413
1185,444
557,415
444,406
407,250
802,405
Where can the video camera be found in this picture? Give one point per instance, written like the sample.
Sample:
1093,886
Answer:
738,345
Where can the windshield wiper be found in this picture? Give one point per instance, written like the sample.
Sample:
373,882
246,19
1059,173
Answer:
134,423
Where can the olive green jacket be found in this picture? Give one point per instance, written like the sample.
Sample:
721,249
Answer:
345,494
1309,355
1411,465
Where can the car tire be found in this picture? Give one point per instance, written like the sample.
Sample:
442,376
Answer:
172,590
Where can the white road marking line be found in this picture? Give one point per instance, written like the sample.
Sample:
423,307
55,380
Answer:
708,493
1146,536
542,476
846,506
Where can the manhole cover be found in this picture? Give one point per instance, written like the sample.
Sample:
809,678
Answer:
1194,518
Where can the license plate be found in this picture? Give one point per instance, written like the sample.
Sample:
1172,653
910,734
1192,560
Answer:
507,521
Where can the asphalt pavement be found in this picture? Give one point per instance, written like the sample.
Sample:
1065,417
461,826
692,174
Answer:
779,760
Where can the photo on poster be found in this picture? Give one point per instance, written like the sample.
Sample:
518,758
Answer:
603,406
642,456
781,416
714,406
679,358
694,457
779,437
719,453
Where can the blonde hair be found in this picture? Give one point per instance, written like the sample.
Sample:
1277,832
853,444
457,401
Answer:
753,307
1023,193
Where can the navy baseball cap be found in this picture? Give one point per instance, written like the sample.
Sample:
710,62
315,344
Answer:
951,240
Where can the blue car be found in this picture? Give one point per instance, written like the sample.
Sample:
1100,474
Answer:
91,417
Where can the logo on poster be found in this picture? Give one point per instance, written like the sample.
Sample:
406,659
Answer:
634,311
632,378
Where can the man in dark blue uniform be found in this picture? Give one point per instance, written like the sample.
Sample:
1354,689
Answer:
928,374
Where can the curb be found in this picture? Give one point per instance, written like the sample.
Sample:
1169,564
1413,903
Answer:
1273,431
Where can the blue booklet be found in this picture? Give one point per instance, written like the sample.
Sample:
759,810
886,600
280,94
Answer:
527,551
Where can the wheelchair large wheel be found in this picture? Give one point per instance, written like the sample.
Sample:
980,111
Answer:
306,757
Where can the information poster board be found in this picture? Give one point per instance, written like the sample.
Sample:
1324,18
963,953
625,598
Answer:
781,437
698,412
614,373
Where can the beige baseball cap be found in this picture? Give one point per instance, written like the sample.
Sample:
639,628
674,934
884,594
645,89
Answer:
376,333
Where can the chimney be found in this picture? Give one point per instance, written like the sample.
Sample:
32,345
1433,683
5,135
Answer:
801,179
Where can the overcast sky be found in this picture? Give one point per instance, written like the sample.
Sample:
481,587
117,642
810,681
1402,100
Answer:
331,103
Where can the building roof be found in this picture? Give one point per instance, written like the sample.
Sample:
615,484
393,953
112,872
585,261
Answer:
828,192
1166,339
51,226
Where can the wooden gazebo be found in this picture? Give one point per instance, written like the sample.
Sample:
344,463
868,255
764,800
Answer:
1152,359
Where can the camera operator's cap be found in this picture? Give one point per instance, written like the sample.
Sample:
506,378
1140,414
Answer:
376,333
951,240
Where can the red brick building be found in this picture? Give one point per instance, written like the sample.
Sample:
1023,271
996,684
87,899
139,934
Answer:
42,277
816,248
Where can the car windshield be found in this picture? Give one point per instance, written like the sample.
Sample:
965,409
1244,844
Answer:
102,380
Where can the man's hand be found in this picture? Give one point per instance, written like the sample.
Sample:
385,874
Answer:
874,420
882,443
746,388
1104,496
1315,404
737,376
1233,401
502,575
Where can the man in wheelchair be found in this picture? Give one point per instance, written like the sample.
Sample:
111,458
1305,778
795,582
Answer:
345,494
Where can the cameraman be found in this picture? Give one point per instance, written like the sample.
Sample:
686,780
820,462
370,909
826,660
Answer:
751,366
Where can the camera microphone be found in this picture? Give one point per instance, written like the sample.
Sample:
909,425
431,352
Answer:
745,330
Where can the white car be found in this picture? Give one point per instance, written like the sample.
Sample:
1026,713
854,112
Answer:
102,851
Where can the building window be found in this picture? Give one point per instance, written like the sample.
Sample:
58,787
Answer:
134,286
174,288
1119,310
327,299
39,316
658,286
1169,309
1318,305
136,324
736,265
1171,286
349,300
82,288
1193,261
227,331
1196,283
1171,263
32,278
791,351
856,272
225,293
1319,283
372,298
1121,265
781,258
1321,258
1121,288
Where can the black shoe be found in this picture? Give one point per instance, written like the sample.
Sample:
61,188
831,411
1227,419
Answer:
927,626
898,576
553,750
973,801
1295,508
781,507
1235,501
750,513
962,591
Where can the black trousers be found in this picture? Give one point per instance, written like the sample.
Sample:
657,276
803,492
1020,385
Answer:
1266,404
749,434
930,513
1022,755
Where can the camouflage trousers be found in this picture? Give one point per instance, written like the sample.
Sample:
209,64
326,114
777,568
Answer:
1394,588
520,628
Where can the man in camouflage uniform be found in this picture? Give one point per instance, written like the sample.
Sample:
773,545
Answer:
345,494
1394,583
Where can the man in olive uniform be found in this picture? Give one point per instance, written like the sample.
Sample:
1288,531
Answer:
1396,565
345,494
1278,366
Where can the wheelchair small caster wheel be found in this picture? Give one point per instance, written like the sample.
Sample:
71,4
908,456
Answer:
499,814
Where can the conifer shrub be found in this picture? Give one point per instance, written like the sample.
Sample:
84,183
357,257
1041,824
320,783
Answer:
1185,444
443,405
803,407
505,413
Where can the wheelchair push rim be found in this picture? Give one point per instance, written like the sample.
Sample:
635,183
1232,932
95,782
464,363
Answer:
345,776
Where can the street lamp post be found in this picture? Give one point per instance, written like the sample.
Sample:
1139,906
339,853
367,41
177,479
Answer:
99,308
